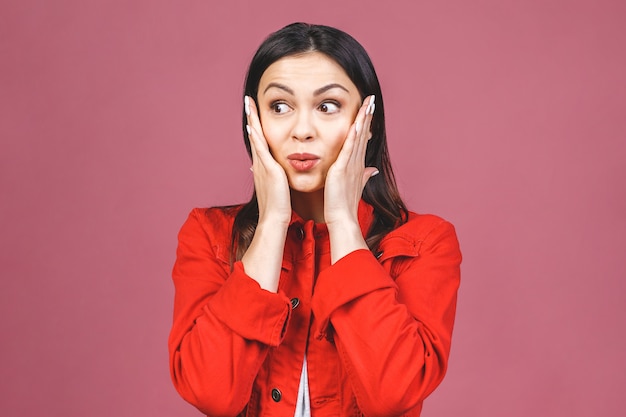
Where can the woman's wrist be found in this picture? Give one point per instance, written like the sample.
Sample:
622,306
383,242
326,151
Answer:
345,237
263,259
274,223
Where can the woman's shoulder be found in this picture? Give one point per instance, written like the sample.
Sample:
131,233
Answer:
421,227
214,221
218,213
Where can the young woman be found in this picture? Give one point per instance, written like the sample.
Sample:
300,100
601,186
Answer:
323,295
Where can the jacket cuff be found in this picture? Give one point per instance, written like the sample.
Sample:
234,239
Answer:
250,311
353,276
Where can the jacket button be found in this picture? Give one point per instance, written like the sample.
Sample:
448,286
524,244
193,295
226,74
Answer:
295,302
300,233
276,395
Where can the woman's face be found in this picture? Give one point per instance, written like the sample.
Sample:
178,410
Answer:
307,104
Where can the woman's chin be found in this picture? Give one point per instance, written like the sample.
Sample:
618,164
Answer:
300,186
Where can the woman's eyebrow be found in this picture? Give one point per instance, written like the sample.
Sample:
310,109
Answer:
329,87
278,85
315,93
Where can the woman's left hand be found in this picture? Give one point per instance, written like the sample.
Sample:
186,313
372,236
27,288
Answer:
344,185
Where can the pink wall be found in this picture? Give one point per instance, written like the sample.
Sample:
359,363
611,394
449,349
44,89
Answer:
506,117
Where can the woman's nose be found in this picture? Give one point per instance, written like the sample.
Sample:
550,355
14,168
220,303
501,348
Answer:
303,128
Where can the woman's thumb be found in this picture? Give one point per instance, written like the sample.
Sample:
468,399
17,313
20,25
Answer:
368,173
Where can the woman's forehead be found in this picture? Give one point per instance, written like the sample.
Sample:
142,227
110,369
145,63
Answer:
312,70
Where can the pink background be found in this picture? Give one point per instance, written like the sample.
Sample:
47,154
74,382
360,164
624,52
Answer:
506,117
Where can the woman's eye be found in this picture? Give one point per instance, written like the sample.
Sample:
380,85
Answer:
329,107
280,108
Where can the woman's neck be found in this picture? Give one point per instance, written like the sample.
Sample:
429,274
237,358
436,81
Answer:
309,206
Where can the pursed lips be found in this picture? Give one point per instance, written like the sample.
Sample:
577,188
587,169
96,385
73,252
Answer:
303,161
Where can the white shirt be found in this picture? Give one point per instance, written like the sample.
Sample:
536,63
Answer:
303,404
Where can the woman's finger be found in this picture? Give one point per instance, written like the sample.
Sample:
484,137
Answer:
261,150
346,155
258,143
365,133
252,114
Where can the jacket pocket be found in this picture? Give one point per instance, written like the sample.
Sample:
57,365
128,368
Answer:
396,252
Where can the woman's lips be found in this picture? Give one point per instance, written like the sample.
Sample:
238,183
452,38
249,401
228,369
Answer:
303,161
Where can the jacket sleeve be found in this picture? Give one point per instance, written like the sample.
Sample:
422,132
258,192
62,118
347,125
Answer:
223,325
393,336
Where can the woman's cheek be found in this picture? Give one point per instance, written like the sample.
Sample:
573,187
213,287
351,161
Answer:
334,148
341,136
272,137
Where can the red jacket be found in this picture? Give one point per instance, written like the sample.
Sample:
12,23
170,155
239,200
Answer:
376,331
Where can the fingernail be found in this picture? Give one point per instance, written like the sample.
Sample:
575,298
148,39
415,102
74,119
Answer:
357,127
372,100
246,105
251,169
375,173
248,129
372,108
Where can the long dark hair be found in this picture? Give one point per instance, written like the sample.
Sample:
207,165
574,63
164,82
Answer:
380,191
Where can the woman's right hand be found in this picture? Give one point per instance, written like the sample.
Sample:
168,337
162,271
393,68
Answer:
263,258
270,179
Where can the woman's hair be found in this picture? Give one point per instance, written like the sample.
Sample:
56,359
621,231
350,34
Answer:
380,191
